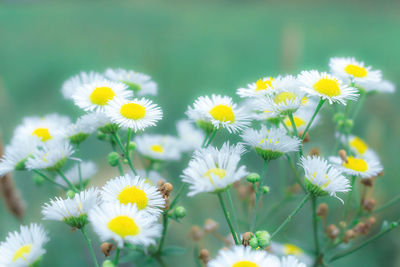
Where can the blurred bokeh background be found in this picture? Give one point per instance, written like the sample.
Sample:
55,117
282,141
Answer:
193,48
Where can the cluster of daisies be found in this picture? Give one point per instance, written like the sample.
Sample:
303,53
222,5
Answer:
273,119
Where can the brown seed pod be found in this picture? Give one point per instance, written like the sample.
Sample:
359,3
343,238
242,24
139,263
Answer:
106,248
322,210
332,231
204,256
196,233
210,225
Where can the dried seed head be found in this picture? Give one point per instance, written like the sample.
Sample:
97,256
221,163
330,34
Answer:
381,173
168,187
210,225
106,248
369,204
371,220
204,256
332,231
306,137
361,228
160,183
246,238
367,181
315,151
350,234
343,155
322,210
196,233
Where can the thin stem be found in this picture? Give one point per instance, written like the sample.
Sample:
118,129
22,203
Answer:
293,124
121,171
128,141
78,154
89,243
296,174
211,137
205,139
321,102
164,232
360,104
116,257
258,193
387,204
232,208
118,141
44,176
291,215
227,217
315,229
285,126
392,226
71,186
350,195
180,191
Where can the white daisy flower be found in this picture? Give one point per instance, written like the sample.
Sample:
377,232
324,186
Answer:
190,137
287,249
95,96
69,86
50,156
260,109
291,261
24,248
270,143
218,112
84,126
259,88
72,211
301,119
321,178
43,128
382,86
151,177
366,166
351,70
133,190
139,83
136,114
287,96
327,87
356,144
239,256
158,147
98,121
16,154
212,169
88,170
124,224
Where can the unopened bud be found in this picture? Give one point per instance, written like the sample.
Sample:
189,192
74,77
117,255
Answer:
371,220
369,204
196,233
332,231
38,180
160,183
253,177
246,238
265,189
180,212
350,234
263,238
315,151
132,146
106,248
108,263
210,225
253,242
343,155
101,135
70,194
113,159
204,256
361,228
322,210
167,187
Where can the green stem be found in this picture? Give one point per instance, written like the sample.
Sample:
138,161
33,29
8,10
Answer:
321,102
205,139
387,204
211,137
291,215
296,174
121,171
360,104
44,176
71,186
346,208
232,208
285,126
78,154
293,124
128,141
118,141
89,243
392,226
180,191
227,217
315,229
258,193
164,232
116,257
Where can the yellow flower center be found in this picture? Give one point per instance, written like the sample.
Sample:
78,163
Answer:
133,111
297,121
356,164
221,173
327,87
133,194
101,95
359,145
245,264
268,140
284,97
263,85
223,113
42,133
157,148
356,71
21,252
123,226
290,249
304,100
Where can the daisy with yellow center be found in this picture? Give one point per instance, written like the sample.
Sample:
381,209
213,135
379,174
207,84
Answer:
382,86
288,249
270,143
260,109
124,224
135,191
136,114
95,96
366,166
141,84
218,112
190,137
260,87
24,248
212,169
158,147
301,118
327,87
352,71
321,178
357,145
72,84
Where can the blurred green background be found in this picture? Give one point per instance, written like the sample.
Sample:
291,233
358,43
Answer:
193,48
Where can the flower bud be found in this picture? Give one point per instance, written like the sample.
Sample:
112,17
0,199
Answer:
38,180
70,194
253,242
132,146
106,248
246,238
343,155
101,135
350,234
113,159
253,177
367,182
108,263
263,238
180,212
369,204
204,256
332,231
196,233
322,210
125,161
265,189
210,225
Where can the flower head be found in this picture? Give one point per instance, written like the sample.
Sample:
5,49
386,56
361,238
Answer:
301,119
212,169
69,86
365,166
351,70
158,147
261,87
190,138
